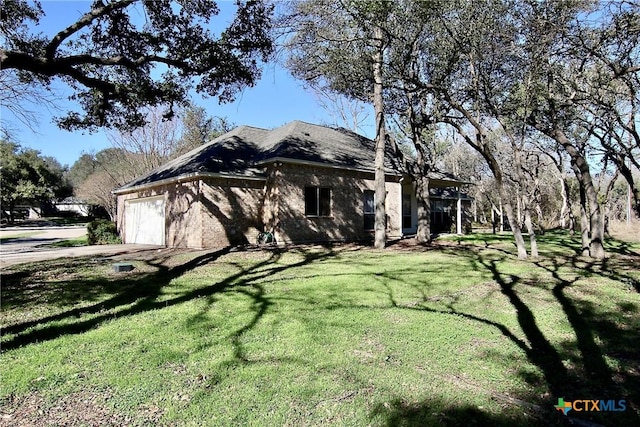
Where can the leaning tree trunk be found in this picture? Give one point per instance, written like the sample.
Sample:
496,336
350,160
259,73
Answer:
482,147
584,217
515,228
513,223
378,105
584,225
596,219
633,188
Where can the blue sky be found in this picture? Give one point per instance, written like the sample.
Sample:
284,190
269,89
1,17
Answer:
276,98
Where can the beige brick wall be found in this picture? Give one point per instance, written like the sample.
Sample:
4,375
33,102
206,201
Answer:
218,212
231,211
285,204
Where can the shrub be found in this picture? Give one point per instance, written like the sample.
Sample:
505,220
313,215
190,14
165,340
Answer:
102,232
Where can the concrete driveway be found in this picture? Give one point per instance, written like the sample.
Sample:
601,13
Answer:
27,246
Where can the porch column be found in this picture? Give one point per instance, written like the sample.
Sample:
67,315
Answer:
459,212
401,206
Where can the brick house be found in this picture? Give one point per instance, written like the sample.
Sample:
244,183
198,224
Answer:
304,182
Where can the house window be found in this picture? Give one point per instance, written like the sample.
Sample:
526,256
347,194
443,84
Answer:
317,201
406,210
369,210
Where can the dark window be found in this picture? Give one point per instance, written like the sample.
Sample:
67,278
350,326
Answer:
317,201
406,210
369,210
311,201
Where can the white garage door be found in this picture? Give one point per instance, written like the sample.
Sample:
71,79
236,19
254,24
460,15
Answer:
144,221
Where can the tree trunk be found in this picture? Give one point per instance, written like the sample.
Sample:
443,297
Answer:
378,105
584,218
505,203
517,232
596,220
524,201
567,197
423,234
482,147
565,203
532,235
493,218
634,191
474,206
540,218
584,228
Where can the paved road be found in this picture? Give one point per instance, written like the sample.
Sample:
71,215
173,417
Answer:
29,247
33,237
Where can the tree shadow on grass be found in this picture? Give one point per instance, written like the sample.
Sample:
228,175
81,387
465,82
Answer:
434,412
599,336
596,381
143,293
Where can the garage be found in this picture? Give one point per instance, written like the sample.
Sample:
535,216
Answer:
145,221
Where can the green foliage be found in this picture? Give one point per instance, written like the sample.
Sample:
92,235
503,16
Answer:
28,177
102,232
199,128
111,60
81,169
330,46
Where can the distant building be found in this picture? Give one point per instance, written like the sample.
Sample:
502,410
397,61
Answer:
73,204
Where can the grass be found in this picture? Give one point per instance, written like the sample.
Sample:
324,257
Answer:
460,332
68,243
14,236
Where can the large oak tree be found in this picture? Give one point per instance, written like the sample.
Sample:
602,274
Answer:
340,47
123,55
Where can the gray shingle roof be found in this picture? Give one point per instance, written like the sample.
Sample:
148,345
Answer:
242,151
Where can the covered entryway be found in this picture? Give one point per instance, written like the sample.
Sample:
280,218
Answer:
446,205
144,221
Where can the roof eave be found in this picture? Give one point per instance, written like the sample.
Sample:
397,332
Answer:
323,165
183,178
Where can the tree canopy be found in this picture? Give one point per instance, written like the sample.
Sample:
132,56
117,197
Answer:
116,64
505,75
136,152
28,177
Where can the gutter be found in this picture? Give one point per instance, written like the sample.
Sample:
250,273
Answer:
322,165
183,178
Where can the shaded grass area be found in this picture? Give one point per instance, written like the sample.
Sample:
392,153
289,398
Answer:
454,334
15,236
68,243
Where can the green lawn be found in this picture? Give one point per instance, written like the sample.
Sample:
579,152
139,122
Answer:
460,333
14,236
69,243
